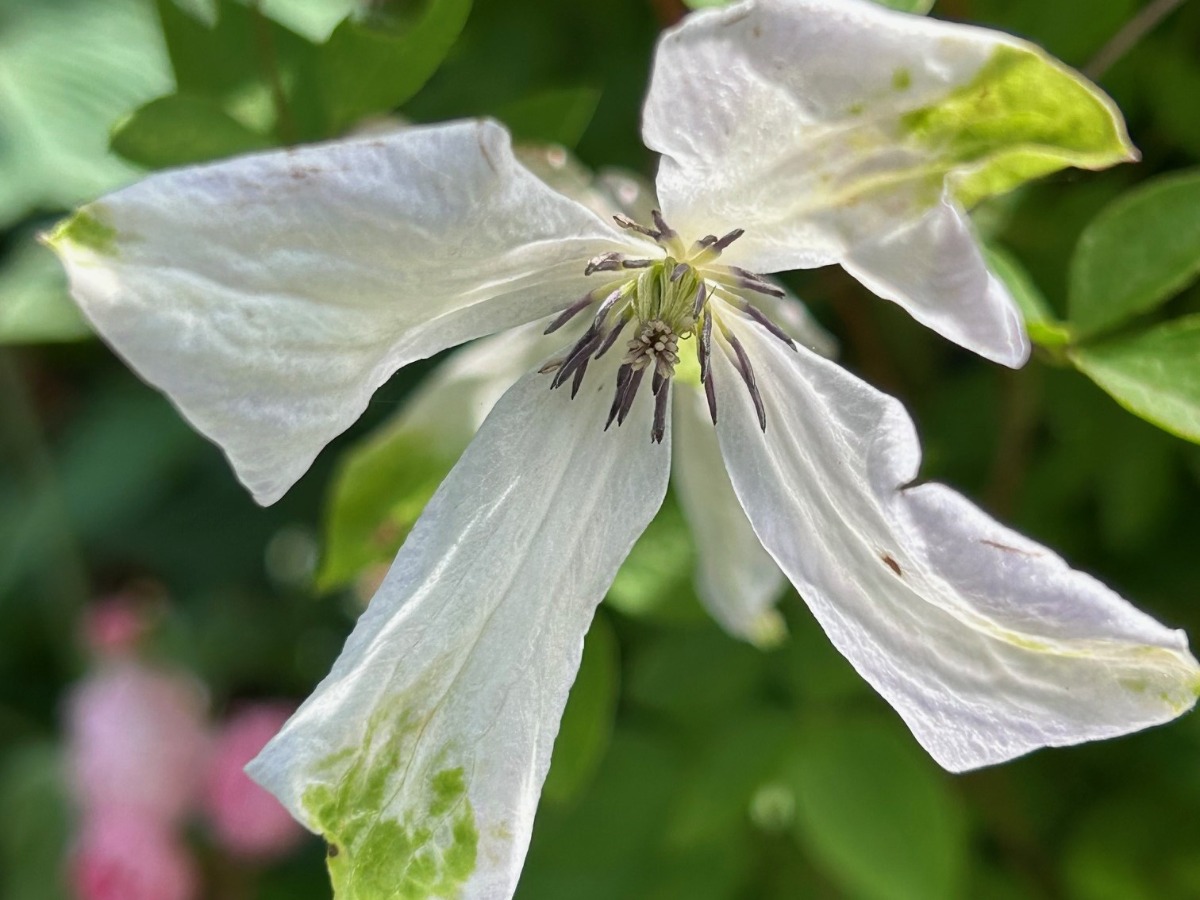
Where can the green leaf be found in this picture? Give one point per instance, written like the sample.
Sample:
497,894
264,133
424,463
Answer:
377,496
180,129
694,675
1141,250
35,833
875,813
1043,326
743,754
34,304
600,847
259,72
1023,116
655,581
1154,374
1104,859
587,722
369,70
67,70
99,481
555,116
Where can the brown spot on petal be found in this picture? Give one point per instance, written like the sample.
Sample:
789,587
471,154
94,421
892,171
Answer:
487,154
332,850
1007,549
892,564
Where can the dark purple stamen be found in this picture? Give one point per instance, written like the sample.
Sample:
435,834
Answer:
605,262
624,374
758,316
704,347
569,313
579,356
665,231
752,282
747,372
698,306
612,336
710,393
626,222
659,429
728,239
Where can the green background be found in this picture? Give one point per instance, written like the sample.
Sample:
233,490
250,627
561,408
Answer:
690,765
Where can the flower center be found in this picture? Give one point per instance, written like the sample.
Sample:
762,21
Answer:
668,300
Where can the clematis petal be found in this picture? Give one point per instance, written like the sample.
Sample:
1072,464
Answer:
986,643
933,267
421,756
736,579
268,296
384,481
829,129
452,403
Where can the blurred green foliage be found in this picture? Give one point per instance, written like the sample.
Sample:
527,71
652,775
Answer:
689,765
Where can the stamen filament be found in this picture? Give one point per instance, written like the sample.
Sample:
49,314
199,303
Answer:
747,372
570,312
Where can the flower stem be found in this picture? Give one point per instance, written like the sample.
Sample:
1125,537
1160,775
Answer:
1130,35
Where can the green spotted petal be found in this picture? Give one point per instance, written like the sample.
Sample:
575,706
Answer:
421,756
838,131
1023,116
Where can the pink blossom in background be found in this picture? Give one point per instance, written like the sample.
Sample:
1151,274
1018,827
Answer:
137,740
114,625
123,854
246,820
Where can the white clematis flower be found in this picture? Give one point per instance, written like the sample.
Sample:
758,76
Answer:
270,295
735,578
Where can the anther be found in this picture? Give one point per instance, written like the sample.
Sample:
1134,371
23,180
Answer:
758,316
612,336
710,394
626,222
661,395
624,374
606,307
631,389
747,372
569,313
665,231
750,281
704,347
679,271
605,262
728,239
577,358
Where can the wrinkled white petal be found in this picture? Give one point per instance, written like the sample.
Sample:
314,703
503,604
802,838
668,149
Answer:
933,267
422,754
780,117
736,579
270,295
450,405
986,643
